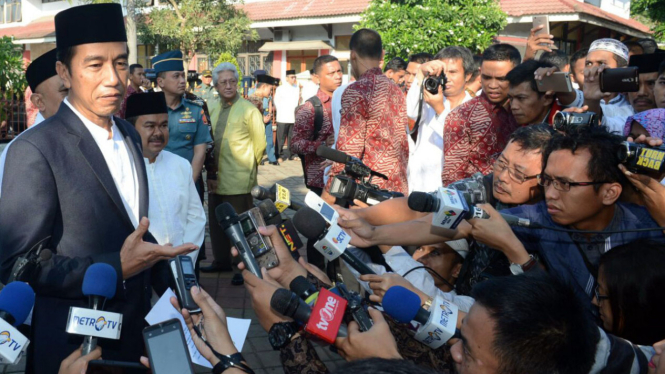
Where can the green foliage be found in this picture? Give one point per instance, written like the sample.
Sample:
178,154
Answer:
12,75
413,26
227,57
213,25
654,11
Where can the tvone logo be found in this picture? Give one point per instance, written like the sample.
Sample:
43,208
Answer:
327,313
5,337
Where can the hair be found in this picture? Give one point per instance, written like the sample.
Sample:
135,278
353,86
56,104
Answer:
133,67
648,45
556,58
601,144
635,281
320,61
224,66
533,138
550,331
502,52
661,68
260,85
161,74
581,54
382,366
457,53
367,44
421,58
65,56
132,120
396,64
524,73
475,71
621,62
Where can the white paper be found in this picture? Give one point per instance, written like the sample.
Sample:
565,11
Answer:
164,310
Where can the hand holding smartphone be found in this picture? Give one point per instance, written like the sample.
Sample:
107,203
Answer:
167,348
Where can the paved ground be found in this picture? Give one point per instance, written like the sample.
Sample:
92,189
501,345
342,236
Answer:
235,300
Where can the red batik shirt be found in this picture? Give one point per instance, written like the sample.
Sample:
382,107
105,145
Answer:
302,142
373,128
474,134
123,108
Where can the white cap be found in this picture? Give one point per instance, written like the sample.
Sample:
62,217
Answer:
460,246
610,45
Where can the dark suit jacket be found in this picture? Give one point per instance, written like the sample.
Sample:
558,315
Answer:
58,184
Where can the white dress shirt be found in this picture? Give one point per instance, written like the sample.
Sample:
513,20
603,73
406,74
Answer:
336,108
426,154
119,161
39,119
287,98
615,113
309,89
175,210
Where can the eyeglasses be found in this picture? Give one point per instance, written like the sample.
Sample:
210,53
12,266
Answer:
516,175
225,83
599,297
546,181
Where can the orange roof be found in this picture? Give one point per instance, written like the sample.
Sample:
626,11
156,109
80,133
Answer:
526,7
39,28
290,9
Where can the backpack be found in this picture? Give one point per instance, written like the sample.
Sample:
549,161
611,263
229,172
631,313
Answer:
318,123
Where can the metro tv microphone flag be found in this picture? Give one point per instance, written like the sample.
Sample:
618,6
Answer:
99,284
16,302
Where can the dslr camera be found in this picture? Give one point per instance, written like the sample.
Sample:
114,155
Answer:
432,83
473,189
642,158
567,122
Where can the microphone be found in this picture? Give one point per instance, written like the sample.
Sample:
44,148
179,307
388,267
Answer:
277,193
16,302
331,240
99,284
438,324
270,214
323,320
333,155
450,208
303,289
228,219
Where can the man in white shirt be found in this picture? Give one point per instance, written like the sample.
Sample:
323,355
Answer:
175,211
287,99
426,151
310,87
48,91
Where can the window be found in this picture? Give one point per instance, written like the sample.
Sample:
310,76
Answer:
301,60
342,43
10,11
145,54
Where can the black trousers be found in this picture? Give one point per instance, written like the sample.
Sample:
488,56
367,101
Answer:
284,132
221,245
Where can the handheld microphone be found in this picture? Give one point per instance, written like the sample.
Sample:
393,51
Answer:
352,164
303,289
450,208
16,302
333,155
99,284
285,228
438,324
323,320
228,219
277,193
331,240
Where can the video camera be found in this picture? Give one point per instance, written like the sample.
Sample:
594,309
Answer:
355,182
472,189
567,122
640,157
431,84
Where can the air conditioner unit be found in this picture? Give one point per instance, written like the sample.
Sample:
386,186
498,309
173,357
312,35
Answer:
282,35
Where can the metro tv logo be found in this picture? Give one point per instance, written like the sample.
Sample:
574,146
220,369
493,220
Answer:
99,323
6,338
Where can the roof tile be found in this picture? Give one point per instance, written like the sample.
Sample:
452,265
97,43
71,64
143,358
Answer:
290,9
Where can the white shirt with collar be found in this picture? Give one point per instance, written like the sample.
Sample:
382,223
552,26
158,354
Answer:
336,108
119,161
426,154
175,210
287,99
39,119
615,112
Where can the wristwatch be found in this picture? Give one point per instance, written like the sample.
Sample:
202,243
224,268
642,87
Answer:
518,269
280,334
428,303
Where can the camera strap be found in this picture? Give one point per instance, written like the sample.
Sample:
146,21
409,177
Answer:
414,131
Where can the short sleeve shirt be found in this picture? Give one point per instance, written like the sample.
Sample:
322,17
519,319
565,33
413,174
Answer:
186,129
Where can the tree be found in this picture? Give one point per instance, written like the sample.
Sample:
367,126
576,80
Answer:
413,26
214,25
227,57
12,74
652,10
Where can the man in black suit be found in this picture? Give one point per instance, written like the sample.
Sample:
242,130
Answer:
80,179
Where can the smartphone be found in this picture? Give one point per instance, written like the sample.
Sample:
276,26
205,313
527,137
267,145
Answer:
620,80
557,82
113,367
542,20
315,202
167,349
182,269
261,246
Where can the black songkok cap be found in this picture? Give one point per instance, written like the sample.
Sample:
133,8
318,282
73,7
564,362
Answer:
86,24
264,78
291,72
142,104
647,63
41,69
